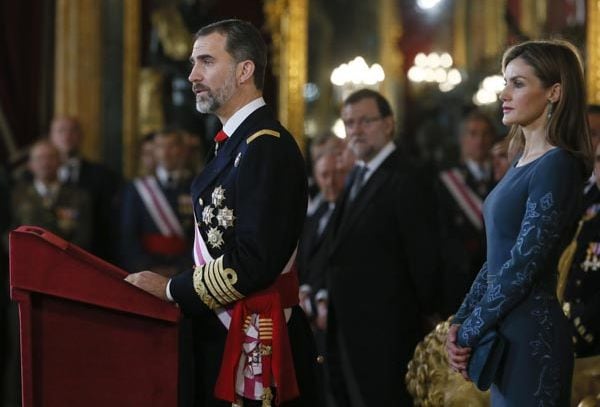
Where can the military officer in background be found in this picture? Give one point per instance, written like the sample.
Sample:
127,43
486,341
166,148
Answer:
62,209
156,212
460,192
96,179
253,343
579,266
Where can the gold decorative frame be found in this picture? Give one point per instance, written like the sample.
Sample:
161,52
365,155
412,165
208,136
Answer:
131,73
593,51
287,22
78,65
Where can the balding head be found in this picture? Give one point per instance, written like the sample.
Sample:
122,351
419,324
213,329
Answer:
44,161
66,135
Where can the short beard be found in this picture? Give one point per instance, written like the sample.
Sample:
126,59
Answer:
212,102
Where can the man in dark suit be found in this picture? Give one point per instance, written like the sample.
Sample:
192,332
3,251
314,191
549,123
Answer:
249,204
461,190
156,212
382,262
100,183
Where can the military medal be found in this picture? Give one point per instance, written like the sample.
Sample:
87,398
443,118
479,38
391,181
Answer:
591,259
225,217
215,238
237,160
207,214
218,196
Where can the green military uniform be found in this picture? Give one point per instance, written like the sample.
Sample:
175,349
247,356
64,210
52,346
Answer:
66,212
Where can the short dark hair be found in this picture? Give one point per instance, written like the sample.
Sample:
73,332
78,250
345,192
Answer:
477,115
382,104
170,131
244,42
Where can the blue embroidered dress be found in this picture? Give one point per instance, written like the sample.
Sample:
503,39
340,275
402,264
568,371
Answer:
529,218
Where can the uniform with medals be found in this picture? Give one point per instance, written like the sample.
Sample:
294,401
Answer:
157,222
249,204
460,194
579,280
62,209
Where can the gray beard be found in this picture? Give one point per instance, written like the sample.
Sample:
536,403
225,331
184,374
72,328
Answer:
214,101
209,105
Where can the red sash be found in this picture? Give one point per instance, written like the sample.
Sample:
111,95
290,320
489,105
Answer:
276,354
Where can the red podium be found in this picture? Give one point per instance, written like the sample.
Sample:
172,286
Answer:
88,338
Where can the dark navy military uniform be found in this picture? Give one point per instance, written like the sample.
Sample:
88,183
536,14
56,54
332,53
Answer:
581,299
462,243
249,203
139,230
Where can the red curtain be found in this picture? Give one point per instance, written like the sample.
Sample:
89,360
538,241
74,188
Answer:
21,42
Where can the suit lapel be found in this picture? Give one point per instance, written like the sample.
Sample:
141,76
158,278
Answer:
362,200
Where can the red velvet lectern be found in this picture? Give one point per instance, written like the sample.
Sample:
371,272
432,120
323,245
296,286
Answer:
88,338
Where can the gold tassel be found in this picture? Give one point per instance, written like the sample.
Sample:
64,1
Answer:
564,263
267,396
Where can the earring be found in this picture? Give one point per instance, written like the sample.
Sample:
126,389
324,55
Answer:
550,109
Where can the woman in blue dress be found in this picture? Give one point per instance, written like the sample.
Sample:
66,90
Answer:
529,218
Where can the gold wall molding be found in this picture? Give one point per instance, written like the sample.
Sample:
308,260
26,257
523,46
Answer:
287,22
131,71
593,51
495,32
78,68
391,57
459,35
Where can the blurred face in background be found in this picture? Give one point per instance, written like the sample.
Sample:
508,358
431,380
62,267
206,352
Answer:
500,162
65,134
594,120
44,161
329,177
476,140
169,151
147,161
367,131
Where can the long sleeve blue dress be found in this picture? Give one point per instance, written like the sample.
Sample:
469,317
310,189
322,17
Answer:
529,218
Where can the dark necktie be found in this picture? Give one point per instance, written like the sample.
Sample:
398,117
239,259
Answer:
358,181
170,184
219,139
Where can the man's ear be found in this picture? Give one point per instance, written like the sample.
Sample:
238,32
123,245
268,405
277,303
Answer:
245,71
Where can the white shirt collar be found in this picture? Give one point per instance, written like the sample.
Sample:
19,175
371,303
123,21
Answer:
46,190
481,172
238,117
377,160
163,175
70,169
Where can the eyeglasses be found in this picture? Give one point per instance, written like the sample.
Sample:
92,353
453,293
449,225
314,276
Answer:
362,121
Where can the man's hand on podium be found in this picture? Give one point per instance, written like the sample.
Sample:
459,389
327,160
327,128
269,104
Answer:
150,282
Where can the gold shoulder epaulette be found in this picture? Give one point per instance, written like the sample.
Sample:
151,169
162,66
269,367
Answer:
264,132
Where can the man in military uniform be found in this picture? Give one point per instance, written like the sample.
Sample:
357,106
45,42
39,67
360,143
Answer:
579,266
460,192
156,213
253,343
62,209
97,180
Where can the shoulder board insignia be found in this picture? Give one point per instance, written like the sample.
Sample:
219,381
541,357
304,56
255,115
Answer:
259,133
